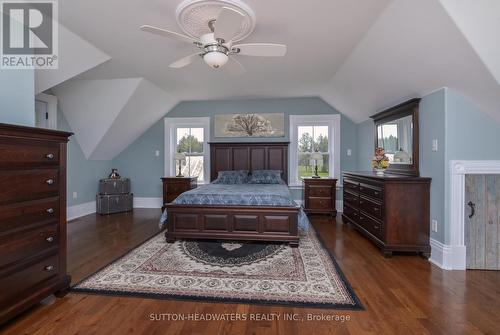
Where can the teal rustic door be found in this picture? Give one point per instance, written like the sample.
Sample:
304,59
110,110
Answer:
482,226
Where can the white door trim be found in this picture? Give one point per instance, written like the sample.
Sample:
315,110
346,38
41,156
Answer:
51,101
458,170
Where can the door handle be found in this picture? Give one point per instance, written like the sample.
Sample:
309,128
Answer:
472,209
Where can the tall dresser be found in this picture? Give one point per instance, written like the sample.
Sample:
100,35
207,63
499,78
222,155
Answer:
391,210
32,217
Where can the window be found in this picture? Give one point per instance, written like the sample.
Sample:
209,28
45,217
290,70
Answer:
314,133
313,139
190,142
190,137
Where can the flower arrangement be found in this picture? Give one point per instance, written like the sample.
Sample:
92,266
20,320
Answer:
380,161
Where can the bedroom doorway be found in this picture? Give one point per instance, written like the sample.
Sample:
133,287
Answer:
46,111
482,226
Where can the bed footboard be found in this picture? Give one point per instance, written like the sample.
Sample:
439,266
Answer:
263,223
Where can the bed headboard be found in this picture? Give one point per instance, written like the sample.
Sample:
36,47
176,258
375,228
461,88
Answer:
225,156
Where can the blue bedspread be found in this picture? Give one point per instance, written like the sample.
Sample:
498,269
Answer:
231,195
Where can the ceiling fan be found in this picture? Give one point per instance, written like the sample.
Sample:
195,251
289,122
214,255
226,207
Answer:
216,47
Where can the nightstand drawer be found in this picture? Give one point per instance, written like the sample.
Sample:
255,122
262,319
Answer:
320,203
320,191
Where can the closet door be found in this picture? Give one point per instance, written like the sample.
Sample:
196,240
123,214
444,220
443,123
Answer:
482,231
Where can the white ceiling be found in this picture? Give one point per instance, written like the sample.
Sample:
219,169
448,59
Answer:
358,55
320,35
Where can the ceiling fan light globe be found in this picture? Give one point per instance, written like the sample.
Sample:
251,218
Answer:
215,59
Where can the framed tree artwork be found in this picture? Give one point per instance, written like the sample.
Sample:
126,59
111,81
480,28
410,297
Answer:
249,125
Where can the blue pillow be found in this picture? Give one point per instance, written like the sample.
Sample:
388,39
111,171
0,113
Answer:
231,177
266,177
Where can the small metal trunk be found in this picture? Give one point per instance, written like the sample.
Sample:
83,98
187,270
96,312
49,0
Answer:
114,196
114,186
114,203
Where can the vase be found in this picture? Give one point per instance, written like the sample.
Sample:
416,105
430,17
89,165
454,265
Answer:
379,172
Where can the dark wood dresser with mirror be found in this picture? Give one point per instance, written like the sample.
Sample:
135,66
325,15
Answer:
32,217
392,209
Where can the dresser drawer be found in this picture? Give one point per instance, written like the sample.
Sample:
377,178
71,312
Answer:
28,153
319,203
15,284
350,212
372,226
22,214
25,244
320,191
351,199
371,191
371,207
351,185
28,184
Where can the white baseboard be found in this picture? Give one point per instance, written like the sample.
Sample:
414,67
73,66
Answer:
339,204
77,211
447,257
155,202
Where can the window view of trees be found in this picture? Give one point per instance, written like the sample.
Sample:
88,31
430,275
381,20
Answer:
190,143
313,139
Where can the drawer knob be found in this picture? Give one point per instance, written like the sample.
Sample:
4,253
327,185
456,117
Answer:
50,210
49,268
376,227
50,156
376,193
50,181
50,239
375,209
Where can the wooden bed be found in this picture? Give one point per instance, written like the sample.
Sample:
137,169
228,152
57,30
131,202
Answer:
254,223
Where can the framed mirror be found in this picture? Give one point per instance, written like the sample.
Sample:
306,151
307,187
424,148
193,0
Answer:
396,131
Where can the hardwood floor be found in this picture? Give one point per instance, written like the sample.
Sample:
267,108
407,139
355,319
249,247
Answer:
401,295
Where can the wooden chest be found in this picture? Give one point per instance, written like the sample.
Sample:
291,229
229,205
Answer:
319,195
32,217
391,210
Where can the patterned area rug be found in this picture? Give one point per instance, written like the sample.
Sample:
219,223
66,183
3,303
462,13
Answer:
244,272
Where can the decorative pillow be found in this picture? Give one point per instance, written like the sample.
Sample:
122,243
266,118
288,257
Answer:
266,177
231,177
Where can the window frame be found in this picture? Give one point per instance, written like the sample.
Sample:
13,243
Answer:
333,123
171,125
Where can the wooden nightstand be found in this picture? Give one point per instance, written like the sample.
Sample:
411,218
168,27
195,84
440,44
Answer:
319,195
174,186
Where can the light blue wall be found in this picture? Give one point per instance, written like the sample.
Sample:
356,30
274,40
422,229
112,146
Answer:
138,161
366,145
432,164
83,174
470,135
17,97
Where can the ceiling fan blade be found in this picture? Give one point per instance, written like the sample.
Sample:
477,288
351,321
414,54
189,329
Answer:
261,49
185,61
227,24
234,67
167,33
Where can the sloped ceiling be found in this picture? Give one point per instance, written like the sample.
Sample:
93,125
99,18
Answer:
413,49
479,21
360,56
75,57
